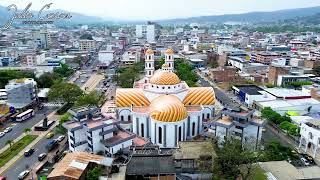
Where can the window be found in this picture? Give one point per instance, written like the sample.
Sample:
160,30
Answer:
162,87
149,64
202,116
208,115
129,118
160,135
193,128
169,64
180,134
142,130
121,118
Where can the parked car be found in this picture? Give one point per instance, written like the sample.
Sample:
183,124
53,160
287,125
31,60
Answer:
61,138
29,152
49,135
305,161
8,129
23,174
2,134
42,156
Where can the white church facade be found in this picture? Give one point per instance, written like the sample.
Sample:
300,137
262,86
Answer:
164,109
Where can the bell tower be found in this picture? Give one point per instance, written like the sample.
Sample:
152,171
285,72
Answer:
149,63
169,60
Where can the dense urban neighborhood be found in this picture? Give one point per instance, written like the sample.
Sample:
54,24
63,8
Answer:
161,100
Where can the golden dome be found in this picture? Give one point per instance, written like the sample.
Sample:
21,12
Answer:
149,51
200,96
165,65
131,97
164,78
169,51
167,108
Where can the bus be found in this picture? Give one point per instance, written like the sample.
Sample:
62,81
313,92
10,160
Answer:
25,115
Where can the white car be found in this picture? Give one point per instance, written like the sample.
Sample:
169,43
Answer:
23,174
8,129
61,138
305,161
2,134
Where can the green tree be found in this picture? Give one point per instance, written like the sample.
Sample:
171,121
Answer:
9,142
92,99
6,75
46,80
234,160
27,130
94,174
185,72
66,92
64,118
63,71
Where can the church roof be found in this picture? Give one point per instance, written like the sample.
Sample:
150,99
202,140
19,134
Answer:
149,52
200,96
169,51
165,78
131,97
167,108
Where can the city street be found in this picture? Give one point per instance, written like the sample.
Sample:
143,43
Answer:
28,162
18,129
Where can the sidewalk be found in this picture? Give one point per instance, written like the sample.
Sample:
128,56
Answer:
51,116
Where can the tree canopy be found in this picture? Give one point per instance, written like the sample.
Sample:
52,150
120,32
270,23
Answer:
65,92
7,75
92,99
185,72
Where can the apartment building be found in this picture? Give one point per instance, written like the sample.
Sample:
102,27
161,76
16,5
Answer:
87,45
265,57
32,59
21,92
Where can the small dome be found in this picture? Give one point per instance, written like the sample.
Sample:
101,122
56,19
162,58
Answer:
165,78
165,65
149,51
167,108
169,51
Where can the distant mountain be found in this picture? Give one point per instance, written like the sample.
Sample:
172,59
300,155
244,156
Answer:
252,17
77,18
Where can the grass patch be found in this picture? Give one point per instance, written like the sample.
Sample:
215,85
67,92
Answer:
258,174
16,147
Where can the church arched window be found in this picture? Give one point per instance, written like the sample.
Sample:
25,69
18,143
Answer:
160,135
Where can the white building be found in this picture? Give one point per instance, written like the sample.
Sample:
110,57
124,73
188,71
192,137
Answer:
21,92
87,132
310,136
131,56
241,125
106,58
147,32
164,109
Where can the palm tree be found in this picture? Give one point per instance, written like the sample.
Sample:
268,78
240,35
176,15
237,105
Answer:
27,130
10,142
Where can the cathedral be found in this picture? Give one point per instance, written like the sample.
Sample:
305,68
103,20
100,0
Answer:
164,109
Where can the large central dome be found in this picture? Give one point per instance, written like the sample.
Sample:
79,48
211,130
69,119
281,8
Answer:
167,108
165,78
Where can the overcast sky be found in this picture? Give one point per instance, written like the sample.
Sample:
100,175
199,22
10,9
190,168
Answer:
163,9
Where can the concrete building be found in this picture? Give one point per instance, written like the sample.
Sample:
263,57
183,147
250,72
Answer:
266,57
21,92
42,39
87,45
147,32
286,79
238,124
131,56
274,72
106,58
32,59
310,136
89,131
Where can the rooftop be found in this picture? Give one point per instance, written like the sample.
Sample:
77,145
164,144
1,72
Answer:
150,165
193,150
74,164
285,93
250,89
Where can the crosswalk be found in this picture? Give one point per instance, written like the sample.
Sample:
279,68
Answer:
52,104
